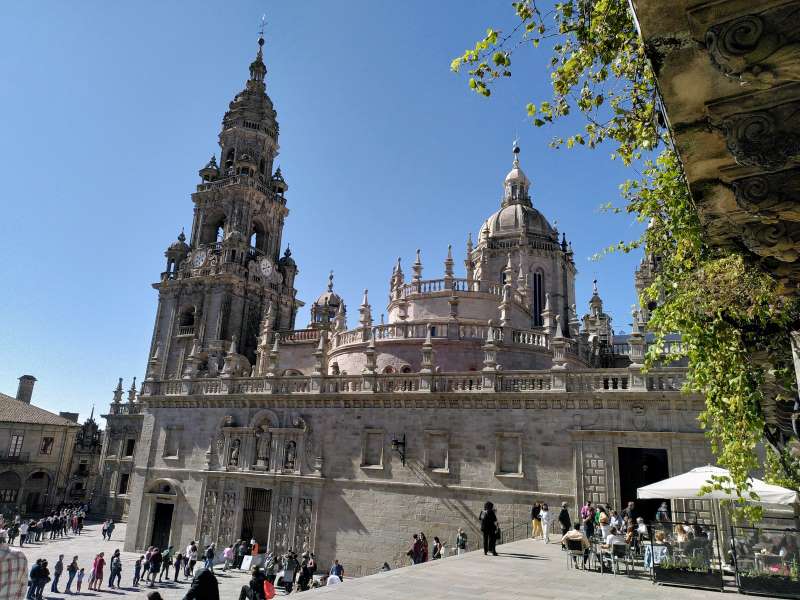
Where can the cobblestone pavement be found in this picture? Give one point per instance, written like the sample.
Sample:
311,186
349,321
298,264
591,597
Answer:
526,569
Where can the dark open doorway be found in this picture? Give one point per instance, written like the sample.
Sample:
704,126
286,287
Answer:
255,518
639,467
162,523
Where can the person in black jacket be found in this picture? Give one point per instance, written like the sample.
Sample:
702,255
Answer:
488,521
564,520
204,586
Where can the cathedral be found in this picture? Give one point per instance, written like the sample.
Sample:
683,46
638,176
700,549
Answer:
348,435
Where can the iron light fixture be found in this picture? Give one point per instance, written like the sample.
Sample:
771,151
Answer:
399,446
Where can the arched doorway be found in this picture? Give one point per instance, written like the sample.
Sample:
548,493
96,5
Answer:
36,489
163,495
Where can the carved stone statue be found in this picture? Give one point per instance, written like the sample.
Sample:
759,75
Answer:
263,444
291,455
233,461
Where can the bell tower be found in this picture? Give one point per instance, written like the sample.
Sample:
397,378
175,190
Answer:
217,288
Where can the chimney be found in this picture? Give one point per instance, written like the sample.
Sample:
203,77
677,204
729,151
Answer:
25,389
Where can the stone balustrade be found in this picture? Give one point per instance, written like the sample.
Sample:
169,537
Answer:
243,180
457,285
298,335
419,329
669,379
118,408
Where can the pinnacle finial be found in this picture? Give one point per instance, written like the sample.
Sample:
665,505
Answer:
330,281
594,287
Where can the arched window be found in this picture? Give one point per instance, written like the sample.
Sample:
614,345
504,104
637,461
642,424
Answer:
259,238
405,369
229,158
262,167
186,321
388,370
213,229
537,291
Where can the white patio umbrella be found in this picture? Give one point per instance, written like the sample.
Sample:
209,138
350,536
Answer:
689,485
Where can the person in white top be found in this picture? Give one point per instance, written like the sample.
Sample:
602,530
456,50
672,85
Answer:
613,538
333,580
544,515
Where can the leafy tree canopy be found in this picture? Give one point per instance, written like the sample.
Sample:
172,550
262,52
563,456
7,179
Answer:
733,320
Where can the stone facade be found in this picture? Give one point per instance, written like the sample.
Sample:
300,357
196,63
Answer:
45,459
348,440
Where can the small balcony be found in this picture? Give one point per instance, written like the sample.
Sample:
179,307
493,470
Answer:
185,330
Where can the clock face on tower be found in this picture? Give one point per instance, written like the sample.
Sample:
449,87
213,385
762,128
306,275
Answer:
199,258
266,266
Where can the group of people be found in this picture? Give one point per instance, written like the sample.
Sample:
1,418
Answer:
56,525
420,552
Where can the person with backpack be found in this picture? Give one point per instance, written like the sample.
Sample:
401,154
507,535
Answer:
72,571
461,542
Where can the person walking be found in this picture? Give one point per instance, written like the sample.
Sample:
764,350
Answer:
437,548
209,557
536,520
564,519
58,569
79,580
13,570
227,555
488,520
545,519
424,541
155,566
104,531
461,542
110,529
193,555
166,563
415,551
178,562
72,570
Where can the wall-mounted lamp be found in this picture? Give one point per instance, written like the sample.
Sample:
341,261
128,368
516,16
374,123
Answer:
399,446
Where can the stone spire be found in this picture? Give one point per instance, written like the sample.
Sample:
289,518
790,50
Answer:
417,268
427,364
132,392
522,281
508,271
448,267
118,392
365,312
258,70
340,322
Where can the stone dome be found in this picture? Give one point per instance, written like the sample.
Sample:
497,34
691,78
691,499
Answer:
519,218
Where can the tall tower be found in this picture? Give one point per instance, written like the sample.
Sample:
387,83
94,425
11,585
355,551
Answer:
217,288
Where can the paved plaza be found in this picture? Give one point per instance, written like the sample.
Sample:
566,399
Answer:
526,569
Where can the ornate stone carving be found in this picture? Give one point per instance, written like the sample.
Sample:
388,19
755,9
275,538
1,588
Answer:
263,446
768,139
290,457
758,49
770,196
302,536
282,519
776,240
227,518
233,457
207,520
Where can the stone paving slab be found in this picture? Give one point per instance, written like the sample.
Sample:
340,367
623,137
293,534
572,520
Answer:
528,569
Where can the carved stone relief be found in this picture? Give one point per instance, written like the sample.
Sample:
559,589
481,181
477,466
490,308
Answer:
302,538
282,522
227,518
207,520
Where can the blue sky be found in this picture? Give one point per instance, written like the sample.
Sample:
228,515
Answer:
109,110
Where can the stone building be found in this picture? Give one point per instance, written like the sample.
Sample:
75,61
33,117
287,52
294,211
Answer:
36,450
346,440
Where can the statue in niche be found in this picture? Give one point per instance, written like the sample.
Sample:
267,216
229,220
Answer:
264,441
291,454
233,461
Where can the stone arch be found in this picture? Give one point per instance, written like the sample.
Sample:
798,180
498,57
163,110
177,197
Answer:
292,373
164,486
265,415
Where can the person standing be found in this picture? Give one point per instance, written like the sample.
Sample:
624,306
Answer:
424,541
437,548
204,586
137,571
536,520
14,570
58,569
488,520
115,569
587,517
72,570
415,551
193,555
546,520
564,519
178,562
337,569
461,542
23,533
227,555
209,557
